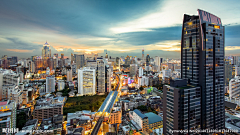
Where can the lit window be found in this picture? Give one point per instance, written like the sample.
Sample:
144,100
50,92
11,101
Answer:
216,27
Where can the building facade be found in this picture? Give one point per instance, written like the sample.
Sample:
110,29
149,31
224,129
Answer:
181,107
202,64
86,81
50,84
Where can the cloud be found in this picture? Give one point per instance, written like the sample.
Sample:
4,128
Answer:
20,50
229,48
171,12
122,27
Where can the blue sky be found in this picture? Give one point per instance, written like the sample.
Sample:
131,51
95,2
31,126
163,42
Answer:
122,27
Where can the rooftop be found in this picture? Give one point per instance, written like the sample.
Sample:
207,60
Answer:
140,114
153,118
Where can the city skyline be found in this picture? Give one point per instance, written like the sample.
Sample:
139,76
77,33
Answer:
121,27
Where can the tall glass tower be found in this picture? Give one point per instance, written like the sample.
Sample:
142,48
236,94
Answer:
46,51
202,64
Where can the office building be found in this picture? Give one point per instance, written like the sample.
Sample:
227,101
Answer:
69,74
47,111
86,81
133,70
228,72
92,63
202,64
50,84
181,107
140,72
127,60
80,60
8,114
72,59
101,75
61,85
147,60
143,55
46,53
158,62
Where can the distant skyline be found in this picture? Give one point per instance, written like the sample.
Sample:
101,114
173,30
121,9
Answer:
122,27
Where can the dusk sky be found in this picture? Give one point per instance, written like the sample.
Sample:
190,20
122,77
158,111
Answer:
123,27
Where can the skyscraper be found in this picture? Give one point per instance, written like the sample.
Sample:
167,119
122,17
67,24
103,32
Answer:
202,64
202,67
80,60
46,54
158,62
133,70
143,55
86,81
50,84
46,51
147,60
100,75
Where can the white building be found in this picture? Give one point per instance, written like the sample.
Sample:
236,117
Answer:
142,81
8,77
138,117
140,72
158,62
234,87
86,81
50,84
237,70
61,85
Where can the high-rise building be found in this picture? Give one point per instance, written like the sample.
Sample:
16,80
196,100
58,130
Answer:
32,67
127,60
61,85
202,64
133,70
80,60
147,60
143,55
181,107
72,59
229,72
158,62
86,81
100,75
46,51
8,114
69,74
46,54
140,72
50,84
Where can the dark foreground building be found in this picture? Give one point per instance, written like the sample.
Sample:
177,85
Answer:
202,65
